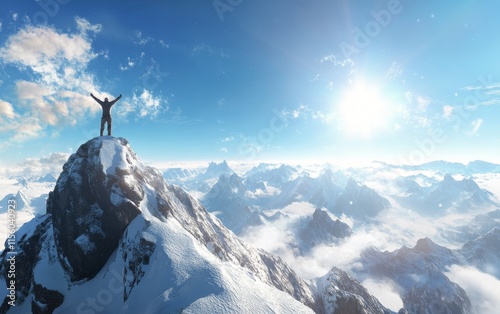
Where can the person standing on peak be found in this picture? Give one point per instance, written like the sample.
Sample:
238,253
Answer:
106,111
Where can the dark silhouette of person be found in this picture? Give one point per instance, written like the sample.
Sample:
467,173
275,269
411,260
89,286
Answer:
106,111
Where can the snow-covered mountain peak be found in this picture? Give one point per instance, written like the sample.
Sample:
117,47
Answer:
216,170
359,201
96,196
276,177
448,179
227,185
322,229
351,183
110,215
47,178
426,246
340,293
334,177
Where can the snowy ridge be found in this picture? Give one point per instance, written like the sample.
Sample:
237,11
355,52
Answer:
343,294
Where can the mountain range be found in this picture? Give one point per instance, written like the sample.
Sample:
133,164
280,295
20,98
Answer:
117,238
446,195
113,235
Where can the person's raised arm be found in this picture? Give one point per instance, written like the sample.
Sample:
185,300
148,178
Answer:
96,99
117,98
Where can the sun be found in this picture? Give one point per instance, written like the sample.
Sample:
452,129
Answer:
362,110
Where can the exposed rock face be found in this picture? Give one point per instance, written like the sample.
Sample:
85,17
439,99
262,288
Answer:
322,229
340,293
45,300
92,206
28,251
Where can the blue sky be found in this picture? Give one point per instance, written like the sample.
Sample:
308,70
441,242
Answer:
398,81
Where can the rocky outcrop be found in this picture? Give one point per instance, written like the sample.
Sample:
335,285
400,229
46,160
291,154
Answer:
340,293
92,206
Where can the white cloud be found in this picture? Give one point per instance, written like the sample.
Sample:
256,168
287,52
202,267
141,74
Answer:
307,113
37,166
85,27
58,93
164,44
23,129
326,118
124,109
393,229
300,111
386,292
482,289
394,71
259,237
146,104
44,50
140,39
6,110
423,102
251,147
333,59
130,64
485,94
447,111
202,48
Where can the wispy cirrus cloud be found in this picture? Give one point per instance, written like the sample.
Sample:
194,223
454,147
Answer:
488,93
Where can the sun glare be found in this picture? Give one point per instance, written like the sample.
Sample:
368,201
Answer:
362,110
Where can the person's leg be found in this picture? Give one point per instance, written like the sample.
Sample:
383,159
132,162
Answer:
102,124
109,125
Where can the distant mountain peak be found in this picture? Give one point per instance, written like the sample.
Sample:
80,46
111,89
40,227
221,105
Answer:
425,245
359,201
322,229
448,178
215,170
